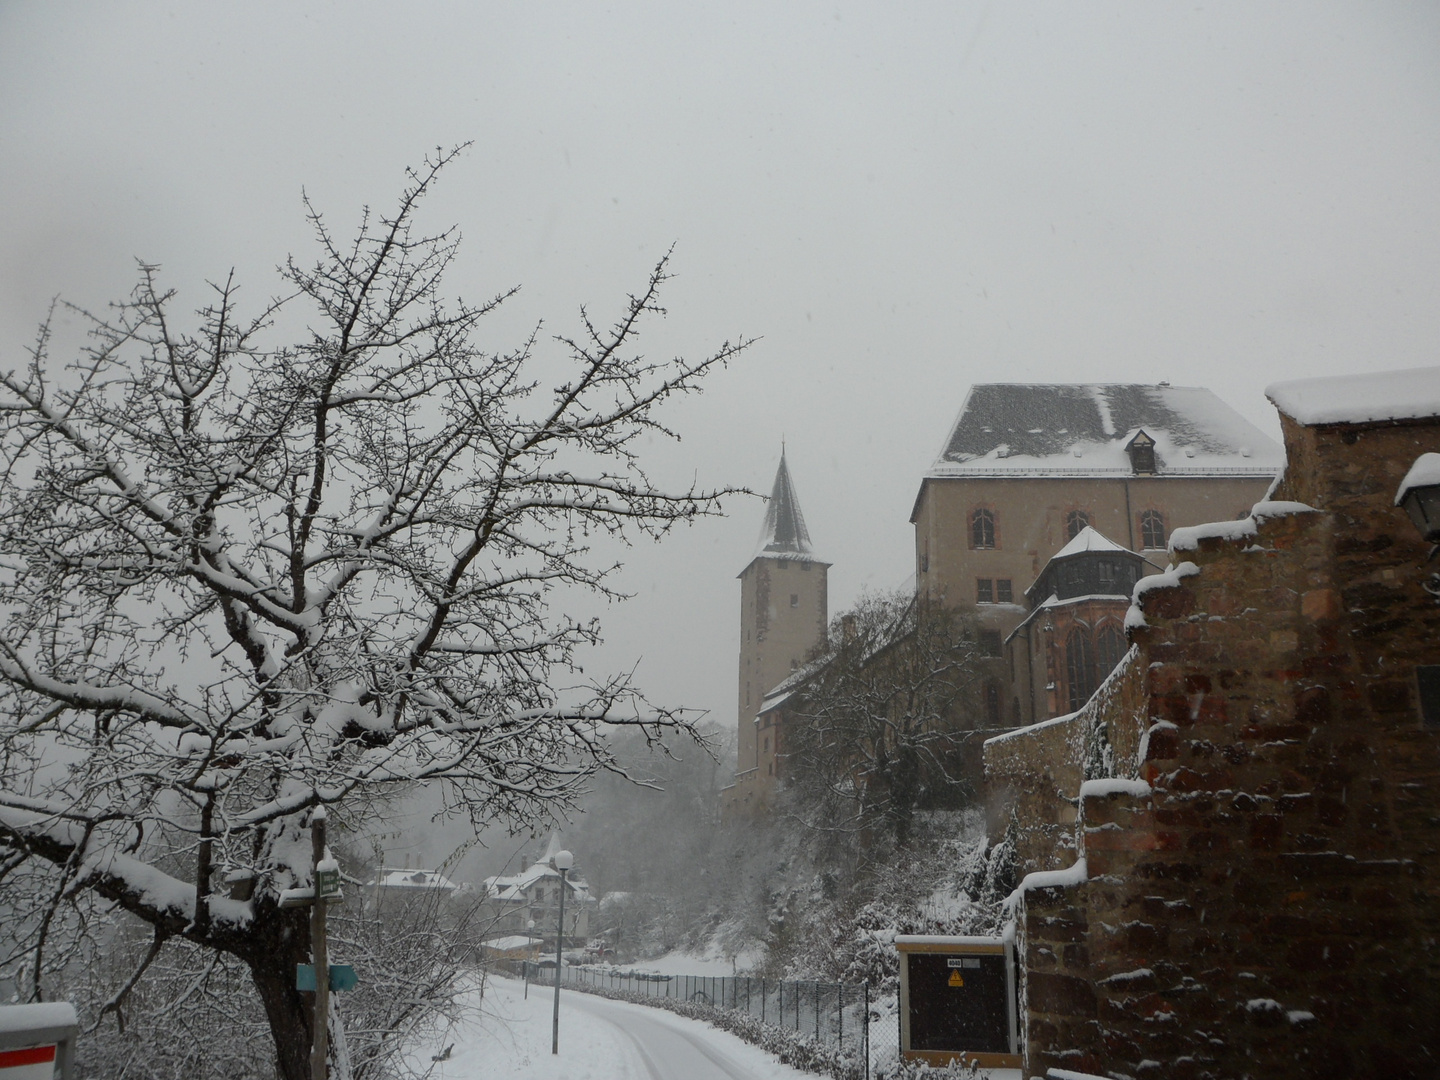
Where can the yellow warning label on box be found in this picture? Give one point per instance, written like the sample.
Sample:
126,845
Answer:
956,979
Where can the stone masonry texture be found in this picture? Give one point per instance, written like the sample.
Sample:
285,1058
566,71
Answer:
1271,908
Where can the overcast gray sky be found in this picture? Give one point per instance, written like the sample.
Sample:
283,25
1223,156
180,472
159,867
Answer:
899,199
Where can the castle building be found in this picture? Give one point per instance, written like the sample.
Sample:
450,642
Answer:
783,615
1074,634
1025,469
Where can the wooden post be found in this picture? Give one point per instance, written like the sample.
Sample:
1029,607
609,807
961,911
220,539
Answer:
319,953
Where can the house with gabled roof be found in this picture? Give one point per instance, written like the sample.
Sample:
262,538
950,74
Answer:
1026,468
528,903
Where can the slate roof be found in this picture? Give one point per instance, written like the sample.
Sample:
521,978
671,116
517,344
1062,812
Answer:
783,534
1082,429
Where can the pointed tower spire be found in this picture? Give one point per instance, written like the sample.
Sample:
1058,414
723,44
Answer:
784,529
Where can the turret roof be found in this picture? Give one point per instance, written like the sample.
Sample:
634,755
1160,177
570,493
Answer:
783,534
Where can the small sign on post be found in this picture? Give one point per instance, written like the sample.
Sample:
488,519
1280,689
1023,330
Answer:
957,1001
37,1041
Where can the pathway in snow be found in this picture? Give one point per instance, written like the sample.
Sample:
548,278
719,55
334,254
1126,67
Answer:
599,1040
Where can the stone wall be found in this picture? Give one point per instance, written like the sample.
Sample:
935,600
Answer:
1261,898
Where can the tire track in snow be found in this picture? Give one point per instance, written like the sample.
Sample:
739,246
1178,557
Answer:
635,1025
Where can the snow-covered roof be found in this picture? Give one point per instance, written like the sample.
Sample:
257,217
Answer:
1088,539
1082,429
783,534
414,879
1424,473
515,887
1359,399
514,941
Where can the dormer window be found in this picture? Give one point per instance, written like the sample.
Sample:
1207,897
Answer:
1142,454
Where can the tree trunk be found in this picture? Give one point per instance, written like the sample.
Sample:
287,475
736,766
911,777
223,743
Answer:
278,948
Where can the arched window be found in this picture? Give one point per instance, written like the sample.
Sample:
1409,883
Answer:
1079,667
1152,529
1109,650
982,528
1075,520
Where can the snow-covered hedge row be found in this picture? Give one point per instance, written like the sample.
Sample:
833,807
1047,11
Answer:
791,1047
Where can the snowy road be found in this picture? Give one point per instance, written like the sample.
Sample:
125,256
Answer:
599,1040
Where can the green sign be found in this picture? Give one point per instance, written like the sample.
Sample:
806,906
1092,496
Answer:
329,882
342,977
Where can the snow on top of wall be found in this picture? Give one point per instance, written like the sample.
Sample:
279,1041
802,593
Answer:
1423,473
1082,429
1357,399
1135,617
1188,538
943,939
1048,879
1029,729
1114,785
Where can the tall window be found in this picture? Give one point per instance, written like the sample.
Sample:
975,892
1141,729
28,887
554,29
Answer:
992,704
982,528
1152,529
984,590
1079,667
1004,591
1075,520
1109,650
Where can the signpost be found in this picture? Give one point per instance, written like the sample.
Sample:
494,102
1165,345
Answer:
325,873
37,1041
957,1001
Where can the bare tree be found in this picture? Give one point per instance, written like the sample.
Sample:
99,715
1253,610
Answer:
875,725
243,580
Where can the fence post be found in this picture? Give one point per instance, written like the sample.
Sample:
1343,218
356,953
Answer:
840,1015
762,999
817,1012
781,1004
865,1027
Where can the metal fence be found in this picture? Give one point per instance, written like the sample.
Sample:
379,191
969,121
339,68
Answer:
834,1014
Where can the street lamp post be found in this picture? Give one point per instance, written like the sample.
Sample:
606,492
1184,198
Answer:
563,861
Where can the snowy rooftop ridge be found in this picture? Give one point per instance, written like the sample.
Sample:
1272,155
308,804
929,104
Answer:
783,532
1088,539
1374,396
1082,429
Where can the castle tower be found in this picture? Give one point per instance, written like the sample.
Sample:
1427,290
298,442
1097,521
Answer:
783,614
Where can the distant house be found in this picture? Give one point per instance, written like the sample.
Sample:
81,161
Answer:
528,903
403,885
512,947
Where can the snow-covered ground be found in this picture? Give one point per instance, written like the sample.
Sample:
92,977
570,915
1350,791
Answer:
683,963
508,1038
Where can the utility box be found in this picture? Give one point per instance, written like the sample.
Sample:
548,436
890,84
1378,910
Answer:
37,1042
957,1001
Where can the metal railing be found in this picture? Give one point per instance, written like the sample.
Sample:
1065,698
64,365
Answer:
833,1014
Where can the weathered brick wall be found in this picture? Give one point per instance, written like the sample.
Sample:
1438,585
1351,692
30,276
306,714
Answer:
1270,908
1031,776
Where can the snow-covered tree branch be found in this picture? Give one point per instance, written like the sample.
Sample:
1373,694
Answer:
242,579
880,716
